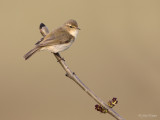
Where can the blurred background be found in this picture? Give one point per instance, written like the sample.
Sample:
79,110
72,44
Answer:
116,54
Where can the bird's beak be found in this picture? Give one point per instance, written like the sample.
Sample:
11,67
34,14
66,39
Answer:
78,28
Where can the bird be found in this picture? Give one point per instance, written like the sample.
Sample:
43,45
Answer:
57,40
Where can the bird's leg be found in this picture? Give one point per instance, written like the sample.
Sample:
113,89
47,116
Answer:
60,58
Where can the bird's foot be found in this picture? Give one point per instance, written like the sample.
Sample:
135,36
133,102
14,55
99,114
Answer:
61,59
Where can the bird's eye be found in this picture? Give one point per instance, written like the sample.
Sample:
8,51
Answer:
71,26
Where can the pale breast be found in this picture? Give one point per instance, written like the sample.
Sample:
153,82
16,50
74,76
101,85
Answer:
57,48
74,33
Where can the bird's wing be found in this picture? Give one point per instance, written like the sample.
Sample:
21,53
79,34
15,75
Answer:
39,41
53,39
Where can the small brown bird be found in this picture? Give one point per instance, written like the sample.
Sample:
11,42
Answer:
58,40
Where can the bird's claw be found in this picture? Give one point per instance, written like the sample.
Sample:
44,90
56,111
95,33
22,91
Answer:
61,59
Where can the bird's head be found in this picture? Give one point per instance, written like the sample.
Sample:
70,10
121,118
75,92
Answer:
72,27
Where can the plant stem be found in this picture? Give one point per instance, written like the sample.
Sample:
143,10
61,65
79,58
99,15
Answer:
74,77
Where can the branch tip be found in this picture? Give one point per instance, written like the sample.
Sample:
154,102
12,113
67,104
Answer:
111,104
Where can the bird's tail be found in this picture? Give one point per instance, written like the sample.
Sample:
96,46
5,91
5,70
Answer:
31,52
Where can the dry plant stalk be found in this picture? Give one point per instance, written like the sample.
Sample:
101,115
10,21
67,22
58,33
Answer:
74,77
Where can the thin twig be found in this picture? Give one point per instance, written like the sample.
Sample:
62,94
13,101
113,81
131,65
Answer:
74,77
